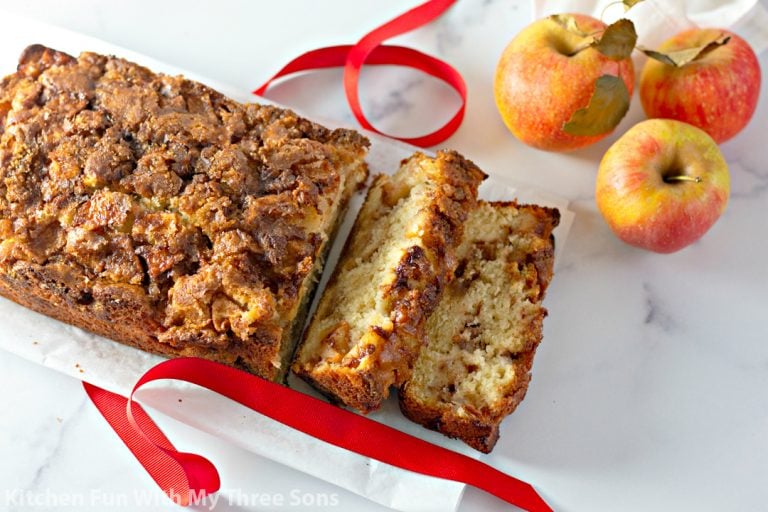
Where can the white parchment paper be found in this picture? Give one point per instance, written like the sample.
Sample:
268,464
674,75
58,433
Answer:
117,367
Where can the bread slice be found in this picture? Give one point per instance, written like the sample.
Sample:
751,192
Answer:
155,211
369,325
484,332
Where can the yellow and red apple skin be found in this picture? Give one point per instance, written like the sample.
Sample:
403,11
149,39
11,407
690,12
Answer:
645,211
538,87
717,92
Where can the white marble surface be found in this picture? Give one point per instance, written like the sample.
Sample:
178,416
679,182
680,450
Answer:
649,389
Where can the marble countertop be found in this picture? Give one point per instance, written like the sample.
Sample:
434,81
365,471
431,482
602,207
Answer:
649,388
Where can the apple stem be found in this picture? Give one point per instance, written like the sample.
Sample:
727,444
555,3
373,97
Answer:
682,177
581,48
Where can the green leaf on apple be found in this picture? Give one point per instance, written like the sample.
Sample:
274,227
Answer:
607,106
618,40
680,58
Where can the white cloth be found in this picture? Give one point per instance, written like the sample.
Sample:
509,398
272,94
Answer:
657,20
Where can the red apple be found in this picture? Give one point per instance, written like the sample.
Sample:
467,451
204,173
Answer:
543,78
662,185
716,92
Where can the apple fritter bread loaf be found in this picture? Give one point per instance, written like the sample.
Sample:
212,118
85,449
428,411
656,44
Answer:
152,210
484,332
369,325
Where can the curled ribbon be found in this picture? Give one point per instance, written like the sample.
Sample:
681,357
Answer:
186,475
370,50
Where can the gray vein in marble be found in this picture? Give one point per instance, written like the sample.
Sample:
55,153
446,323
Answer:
394,102
447,37
757,189
656,314
61,434
450,31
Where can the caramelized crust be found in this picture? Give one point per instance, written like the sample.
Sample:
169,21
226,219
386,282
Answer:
369,324
483,335
155,211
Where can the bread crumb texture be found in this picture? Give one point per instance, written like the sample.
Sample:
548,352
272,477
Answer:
481,338
368,328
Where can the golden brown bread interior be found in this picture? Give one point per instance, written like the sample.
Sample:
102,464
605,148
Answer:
153,210
369,324
484,332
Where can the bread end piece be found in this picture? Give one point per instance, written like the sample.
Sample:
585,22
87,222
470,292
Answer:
483,335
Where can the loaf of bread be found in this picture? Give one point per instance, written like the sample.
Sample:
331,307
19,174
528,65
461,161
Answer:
484,332
369,325
152,210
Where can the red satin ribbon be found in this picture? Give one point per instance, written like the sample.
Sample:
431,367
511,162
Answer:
369,50
184,475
